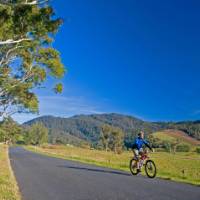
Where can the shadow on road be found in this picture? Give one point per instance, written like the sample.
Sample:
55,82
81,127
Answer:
95,170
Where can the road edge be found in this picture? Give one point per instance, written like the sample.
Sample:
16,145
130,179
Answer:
13,178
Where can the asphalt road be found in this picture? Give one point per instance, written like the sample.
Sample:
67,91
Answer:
45,178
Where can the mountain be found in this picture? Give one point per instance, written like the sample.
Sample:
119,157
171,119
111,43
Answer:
86,128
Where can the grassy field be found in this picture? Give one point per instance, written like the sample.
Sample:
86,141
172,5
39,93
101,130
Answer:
173,135
183,167
8,186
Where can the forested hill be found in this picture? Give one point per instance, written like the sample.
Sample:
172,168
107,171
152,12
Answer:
87,127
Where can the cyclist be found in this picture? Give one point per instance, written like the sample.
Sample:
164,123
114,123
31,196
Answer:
137,148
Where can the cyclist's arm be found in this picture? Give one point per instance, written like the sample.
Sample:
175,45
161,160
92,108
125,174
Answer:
147,145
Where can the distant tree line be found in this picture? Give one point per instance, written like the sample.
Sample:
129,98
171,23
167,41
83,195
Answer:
89,127
110,132
12,133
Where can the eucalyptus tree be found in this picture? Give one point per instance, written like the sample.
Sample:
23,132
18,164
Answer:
117,140
112,137
105,135
37,134
27,57
9,131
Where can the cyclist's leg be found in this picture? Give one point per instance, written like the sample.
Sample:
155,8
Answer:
136,156
140,152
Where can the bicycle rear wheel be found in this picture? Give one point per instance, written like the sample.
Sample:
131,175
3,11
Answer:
150,169
133,166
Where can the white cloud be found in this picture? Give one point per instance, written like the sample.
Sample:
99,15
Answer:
63,107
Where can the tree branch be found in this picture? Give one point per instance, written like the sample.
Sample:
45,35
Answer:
5,59
26,76
31,3
36,2
11,41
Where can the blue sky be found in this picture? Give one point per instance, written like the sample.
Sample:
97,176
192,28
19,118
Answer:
140,58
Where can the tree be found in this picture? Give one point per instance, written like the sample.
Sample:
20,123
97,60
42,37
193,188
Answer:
183,148
157,142
112,137
22,2
117,139
2,136
9,131
27,57
167,146
174,145
28,137
198,150
105,135
37,134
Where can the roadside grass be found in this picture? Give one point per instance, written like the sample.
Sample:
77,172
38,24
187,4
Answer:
8,185
182,167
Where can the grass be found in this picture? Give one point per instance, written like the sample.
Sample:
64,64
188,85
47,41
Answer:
182,167
8,185
173,135
164,136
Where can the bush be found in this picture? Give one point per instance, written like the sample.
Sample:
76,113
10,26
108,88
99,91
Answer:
183,148
161,150
167,146
198,149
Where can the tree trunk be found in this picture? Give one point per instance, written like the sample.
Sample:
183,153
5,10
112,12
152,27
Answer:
106,147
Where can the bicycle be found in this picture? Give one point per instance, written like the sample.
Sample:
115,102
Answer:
144,160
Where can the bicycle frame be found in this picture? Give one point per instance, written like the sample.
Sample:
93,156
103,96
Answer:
143,157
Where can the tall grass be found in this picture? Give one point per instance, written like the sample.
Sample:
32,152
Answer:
8,185
184,167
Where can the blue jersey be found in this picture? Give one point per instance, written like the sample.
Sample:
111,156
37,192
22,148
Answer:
139,142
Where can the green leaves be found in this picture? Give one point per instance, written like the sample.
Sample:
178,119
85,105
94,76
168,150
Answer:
50,58
26,54
9,131
37,134
112,137
58,88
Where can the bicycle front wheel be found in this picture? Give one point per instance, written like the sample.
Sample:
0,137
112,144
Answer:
150,169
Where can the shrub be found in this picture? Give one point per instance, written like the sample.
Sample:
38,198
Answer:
167,146
183,148
198,149
161,150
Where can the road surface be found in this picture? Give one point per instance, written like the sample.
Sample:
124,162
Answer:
46,178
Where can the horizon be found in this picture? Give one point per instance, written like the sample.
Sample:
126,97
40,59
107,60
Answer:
125,115
129,57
